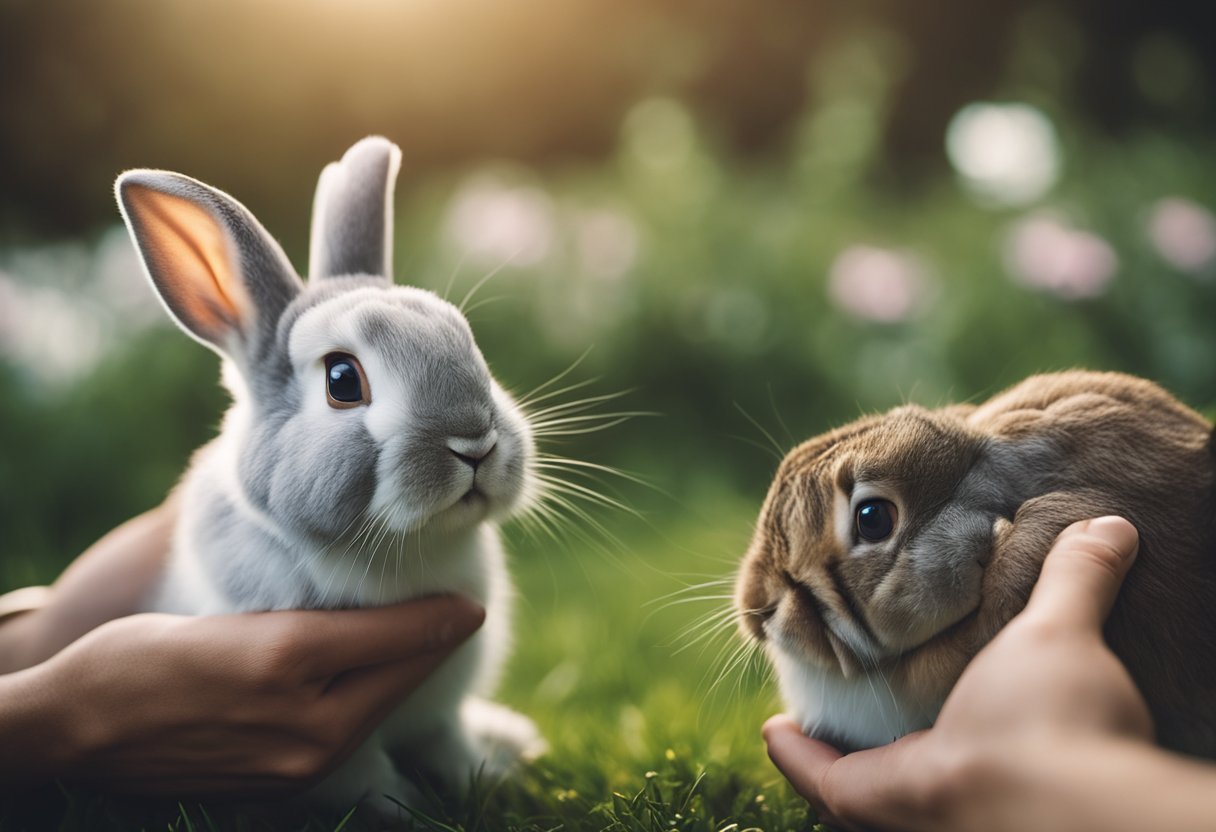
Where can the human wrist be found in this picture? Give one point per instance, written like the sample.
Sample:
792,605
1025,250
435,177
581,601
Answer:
1066,783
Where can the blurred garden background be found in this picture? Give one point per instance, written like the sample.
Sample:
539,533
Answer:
763,219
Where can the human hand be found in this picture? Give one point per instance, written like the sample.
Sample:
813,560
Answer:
1045,690
253,703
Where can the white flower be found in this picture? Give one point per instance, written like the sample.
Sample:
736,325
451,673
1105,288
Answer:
1006,153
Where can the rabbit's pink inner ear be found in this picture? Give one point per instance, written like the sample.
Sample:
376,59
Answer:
190,259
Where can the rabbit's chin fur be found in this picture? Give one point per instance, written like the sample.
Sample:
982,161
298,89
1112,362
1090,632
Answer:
868,633
861,711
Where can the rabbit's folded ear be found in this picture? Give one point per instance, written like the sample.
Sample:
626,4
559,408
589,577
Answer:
221,275
352,212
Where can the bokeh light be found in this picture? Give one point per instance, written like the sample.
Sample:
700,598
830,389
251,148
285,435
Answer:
878,285
1042,252
494,223
1184,233
1006,154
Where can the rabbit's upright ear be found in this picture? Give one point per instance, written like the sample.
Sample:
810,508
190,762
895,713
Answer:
219,272
352,212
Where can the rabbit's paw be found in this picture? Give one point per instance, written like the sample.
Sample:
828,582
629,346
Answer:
500,736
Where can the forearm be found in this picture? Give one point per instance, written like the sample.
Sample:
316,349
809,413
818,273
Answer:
21,638
1109,784
33,730
108,581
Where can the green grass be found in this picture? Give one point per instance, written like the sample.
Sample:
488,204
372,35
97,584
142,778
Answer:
648,728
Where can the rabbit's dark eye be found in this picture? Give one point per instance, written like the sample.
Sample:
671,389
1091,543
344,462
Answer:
345,384
875,520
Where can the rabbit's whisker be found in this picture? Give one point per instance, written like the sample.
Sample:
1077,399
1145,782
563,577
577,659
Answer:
421,551
542,524
447,290
781,421
397,563
533,395
737,657
377,549
763,430
704,629
365,528
760,445
580,431
539,427
526,403
574,465
312,558
483,302
693,588
677,602
469,294
590,495
371,531
565,515
571,507
576,405
391,549
716,622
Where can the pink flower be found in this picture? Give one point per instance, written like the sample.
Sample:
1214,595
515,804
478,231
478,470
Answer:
1184,234
1043,253
877,284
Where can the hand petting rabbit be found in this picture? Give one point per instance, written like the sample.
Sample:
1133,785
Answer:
365,458
889,551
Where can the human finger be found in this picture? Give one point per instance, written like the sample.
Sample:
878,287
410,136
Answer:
356,701
872,788
368,694
1083,571
334,641
804,761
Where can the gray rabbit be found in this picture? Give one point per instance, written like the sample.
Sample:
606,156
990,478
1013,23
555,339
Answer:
365,458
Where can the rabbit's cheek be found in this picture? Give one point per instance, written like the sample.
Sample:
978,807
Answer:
911,606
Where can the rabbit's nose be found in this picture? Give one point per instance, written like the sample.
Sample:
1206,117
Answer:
473,451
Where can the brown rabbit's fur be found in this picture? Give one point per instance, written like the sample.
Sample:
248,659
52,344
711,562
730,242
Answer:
980,494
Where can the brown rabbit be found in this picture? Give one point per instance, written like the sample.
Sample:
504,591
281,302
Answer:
889,551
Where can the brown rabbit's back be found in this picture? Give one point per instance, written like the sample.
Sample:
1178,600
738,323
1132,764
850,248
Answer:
1136,451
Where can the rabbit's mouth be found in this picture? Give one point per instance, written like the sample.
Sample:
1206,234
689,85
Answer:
836,633
469,509
474,498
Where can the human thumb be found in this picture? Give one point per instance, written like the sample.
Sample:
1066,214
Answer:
1083,572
